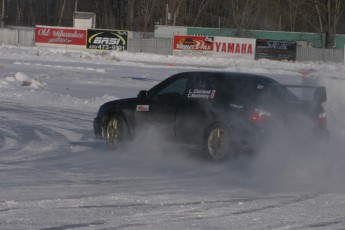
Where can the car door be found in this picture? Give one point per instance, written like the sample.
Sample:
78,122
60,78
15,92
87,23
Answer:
195,114
158,110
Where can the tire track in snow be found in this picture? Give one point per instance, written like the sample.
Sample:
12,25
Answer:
39,131
326,224
71,226
60,66
281,204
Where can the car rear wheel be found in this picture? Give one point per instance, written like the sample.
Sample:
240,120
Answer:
115,131
218,146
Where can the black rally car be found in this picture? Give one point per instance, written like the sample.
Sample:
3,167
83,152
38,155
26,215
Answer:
220,112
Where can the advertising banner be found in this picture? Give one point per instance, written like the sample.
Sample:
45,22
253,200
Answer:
60,36
276,50
107,39
193,44
228,47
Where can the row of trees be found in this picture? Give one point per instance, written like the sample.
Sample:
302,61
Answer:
320,16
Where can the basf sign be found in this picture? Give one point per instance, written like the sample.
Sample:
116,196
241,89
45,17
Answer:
234,47
107,39
59,36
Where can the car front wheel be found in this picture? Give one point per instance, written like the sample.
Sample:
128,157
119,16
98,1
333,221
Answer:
115,131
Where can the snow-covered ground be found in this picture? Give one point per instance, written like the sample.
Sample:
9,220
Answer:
55,175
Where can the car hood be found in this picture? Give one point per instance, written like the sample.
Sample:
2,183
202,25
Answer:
118,105
123,102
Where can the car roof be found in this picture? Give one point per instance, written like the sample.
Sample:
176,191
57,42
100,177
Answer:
234,75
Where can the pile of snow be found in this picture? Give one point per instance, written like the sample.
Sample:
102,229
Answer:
26,81
23,80
228,64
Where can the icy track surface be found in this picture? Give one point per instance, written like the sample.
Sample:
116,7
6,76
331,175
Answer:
55,176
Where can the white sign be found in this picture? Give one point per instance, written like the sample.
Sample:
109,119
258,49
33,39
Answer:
234,47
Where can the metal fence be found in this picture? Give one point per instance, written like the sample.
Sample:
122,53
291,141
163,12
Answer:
26,37
324,55
17,36
155,46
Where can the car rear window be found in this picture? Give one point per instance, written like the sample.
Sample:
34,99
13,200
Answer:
244,90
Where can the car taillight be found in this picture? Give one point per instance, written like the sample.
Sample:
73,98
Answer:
260,115
322,119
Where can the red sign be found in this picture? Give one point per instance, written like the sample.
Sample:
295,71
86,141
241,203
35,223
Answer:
60,35
193,43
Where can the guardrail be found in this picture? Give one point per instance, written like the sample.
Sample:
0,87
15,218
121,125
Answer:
26,37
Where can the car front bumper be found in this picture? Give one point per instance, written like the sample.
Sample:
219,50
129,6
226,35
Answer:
98,128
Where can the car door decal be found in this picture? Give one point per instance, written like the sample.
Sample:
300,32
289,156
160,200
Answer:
143,108
201,93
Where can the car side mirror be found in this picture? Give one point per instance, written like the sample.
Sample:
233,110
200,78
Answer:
142,94
320,94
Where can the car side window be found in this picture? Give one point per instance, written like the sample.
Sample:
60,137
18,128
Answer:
173,91
244,91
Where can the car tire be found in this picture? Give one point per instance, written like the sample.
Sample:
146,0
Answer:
115,132
218,143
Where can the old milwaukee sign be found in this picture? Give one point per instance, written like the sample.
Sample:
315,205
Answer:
234,47
60,35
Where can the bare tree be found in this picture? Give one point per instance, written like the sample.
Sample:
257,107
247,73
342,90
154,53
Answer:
242,12
2,16
173,8
146,11
328,14
130,14
62,11
18,11
201,5
103,9
290,14
334,12
193,12
320,16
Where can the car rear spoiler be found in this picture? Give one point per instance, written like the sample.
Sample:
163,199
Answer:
320,94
